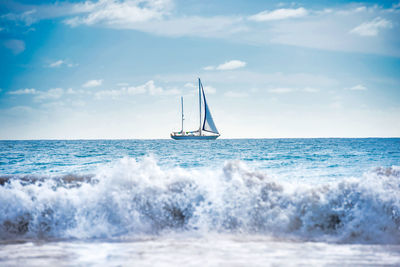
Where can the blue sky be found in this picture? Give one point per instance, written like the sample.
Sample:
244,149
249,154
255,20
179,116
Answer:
117,69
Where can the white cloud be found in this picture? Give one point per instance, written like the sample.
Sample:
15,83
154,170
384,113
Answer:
190,85
118,13
27,17
54,93
358,87
26,91
360,9
372,28
235,94
92,83
229,65
132,90
281,90
61,62
147,88
16,46
56,64
71,91
330,31
152,16
279,14
209,68
152,89
208,27
326,29
110,93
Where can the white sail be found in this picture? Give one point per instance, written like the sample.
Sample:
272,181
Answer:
208,122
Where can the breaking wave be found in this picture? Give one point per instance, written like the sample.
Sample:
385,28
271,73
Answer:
133,197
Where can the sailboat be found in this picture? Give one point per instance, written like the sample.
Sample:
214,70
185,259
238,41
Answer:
207,129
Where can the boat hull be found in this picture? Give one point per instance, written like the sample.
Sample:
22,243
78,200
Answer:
188,137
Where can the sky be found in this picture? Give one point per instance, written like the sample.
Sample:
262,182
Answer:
116,69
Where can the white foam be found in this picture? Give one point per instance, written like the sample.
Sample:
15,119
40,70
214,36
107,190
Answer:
130,198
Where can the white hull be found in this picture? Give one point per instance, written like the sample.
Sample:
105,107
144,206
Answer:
194,137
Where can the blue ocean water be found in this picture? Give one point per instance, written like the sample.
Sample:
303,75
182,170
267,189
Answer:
334,191
327,158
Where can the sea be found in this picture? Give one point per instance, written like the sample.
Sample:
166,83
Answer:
227,202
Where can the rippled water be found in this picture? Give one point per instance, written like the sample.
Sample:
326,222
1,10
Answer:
256,201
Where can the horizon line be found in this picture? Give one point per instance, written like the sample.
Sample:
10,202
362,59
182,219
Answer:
234,138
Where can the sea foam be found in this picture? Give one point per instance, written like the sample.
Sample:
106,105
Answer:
139,197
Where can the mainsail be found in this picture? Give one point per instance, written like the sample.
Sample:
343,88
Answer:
208,123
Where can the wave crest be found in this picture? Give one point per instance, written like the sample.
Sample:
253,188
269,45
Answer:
139,197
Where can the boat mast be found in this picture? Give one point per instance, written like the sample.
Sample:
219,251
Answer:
182,113
200,106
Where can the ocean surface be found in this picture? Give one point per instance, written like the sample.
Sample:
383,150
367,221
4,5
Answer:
244,202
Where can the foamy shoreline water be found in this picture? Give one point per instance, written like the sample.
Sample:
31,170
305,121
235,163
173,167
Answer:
212,250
